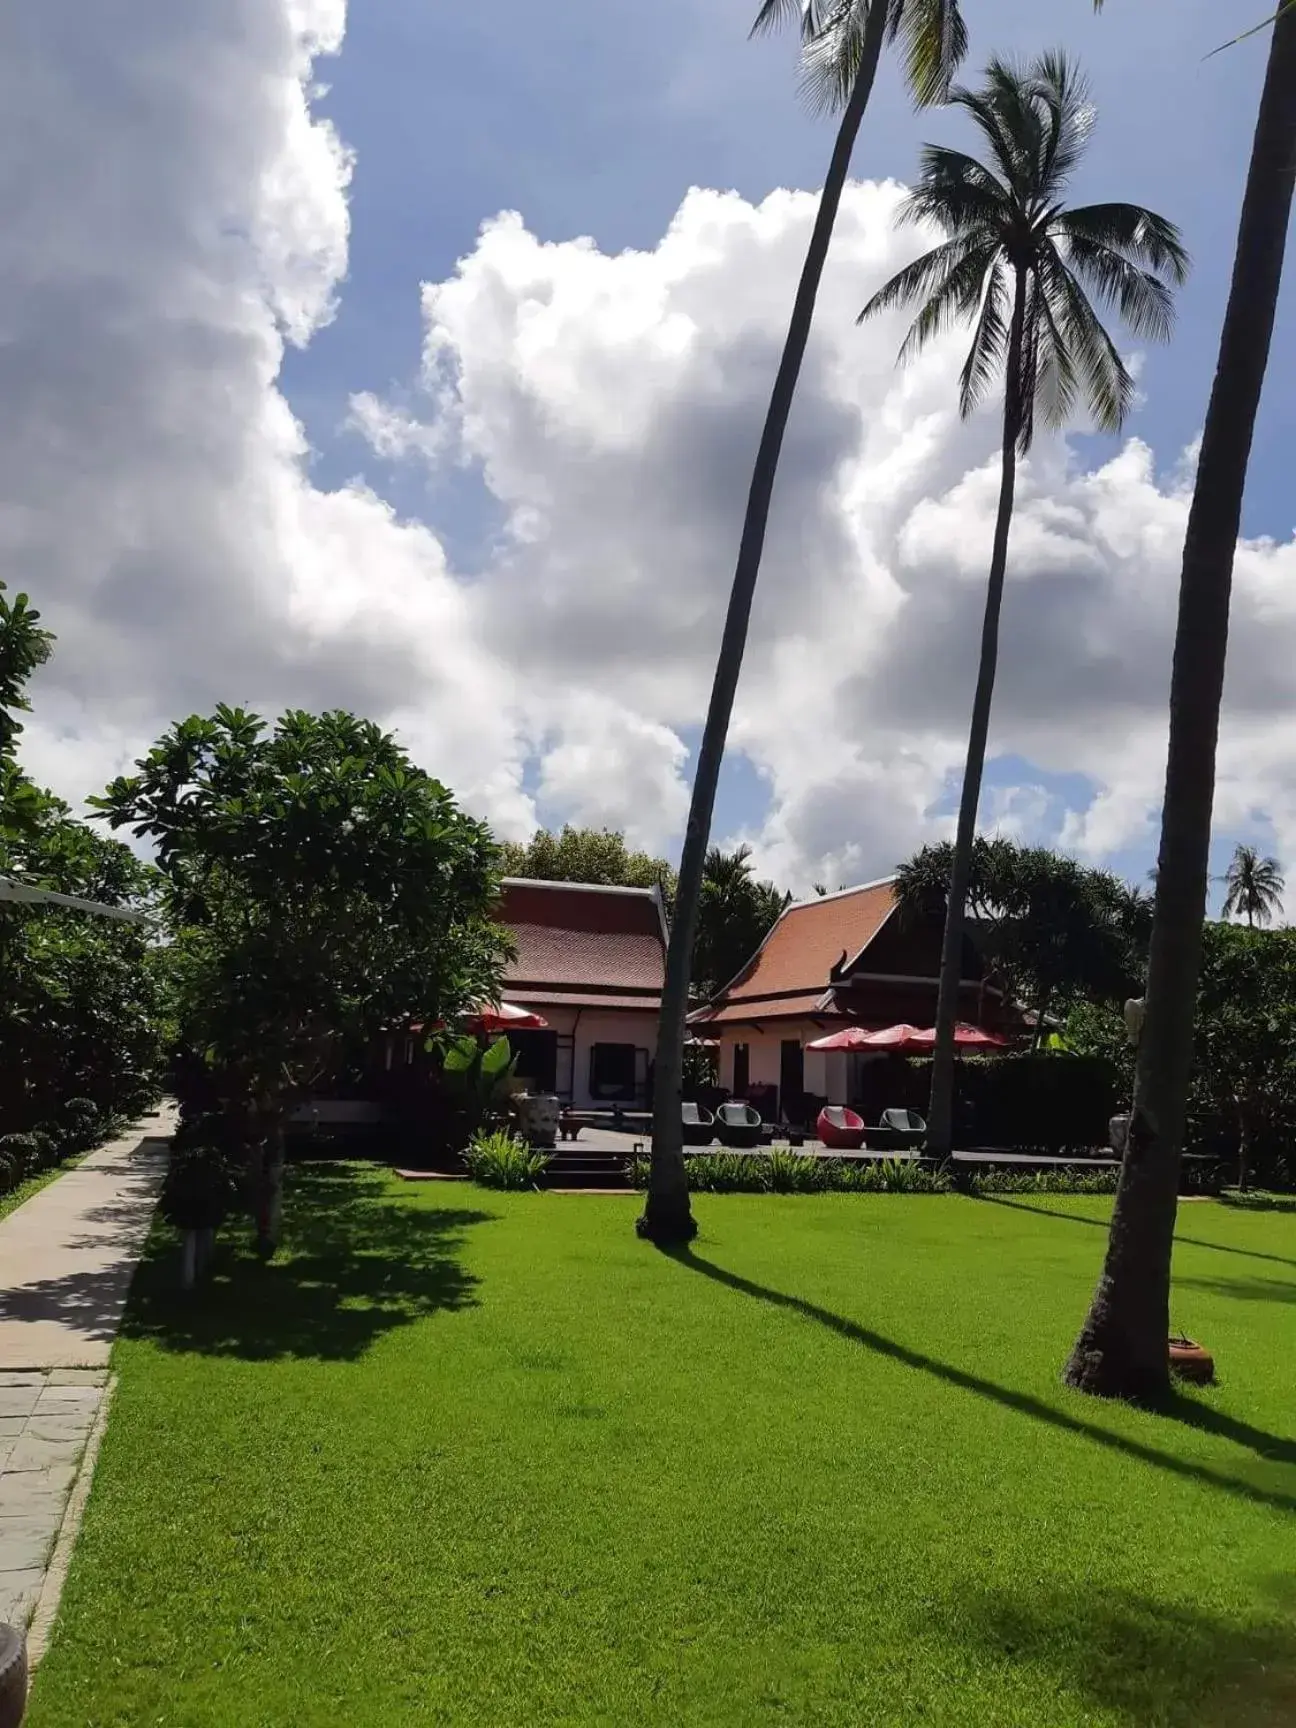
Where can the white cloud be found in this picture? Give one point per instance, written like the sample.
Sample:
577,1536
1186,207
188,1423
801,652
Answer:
179,215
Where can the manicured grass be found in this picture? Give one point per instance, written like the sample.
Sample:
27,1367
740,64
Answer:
473,1458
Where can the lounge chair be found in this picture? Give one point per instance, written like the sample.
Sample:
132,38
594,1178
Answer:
904,1121
902,1130
699,1125
738,1125
839,1128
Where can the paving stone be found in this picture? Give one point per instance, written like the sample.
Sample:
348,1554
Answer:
18,1400
36,1500
57,1429
77,1377
12,1426
49,1479
69,1398
27,1547
31,1454
18,1593
33,1377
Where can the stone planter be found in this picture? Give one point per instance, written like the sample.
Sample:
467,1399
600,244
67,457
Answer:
1118,1134
538,1114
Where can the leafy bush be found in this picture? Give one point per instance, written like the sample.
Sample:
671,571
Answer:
788,1172
24,1152
501,1160
80,1125
1045,1182
891,1176
10,1175
201,1188
781,1171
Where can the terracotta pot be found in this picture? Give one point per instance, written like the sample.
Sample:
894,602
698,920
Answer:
1190,1362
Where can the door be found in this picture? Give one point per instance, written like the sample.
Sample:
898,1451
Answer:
792,1080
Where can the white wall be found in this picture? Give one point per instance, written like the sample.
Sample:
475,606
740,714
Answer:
590,1026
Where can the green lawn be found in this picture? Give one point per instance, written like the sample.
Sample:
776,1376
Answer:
470,1458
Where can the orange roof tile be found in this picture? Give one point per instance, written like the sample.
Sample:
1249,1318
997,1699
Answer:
790,971
572,936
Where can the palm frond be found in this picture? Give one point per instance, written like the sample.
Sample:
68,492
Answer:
926,276
830,59
1063,93
811,17
989,339
1145,238
958,298
956,192
935,42
1100,371
1142,299
1056,384
1253,31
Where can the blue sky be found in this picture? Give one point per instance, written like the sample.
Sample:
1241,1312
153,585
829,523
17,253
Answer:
545,641
596,120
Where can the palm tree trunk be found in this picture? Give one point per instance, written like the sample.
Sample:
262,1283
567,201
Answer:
666,1216
1121,1351
940,1110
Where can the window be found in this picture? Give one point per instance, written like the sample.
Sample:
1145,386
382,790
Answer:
742,1071
612,1072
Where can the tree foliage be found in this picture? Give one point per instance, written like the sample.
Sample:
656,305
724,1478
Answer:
1053,930
596,855
735,915
85,1005
1253,887
323,890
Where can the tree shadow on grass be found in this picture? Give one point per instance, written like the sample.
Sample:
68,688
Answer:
1146,1661
354,1264
1104,1225
1191,1412
1243,1289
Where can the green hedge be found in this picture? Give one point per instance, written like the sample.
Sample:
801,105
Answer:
1041,1101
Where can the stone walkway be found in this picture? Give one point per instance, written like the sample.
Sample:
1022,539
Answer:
67,1257
45,1422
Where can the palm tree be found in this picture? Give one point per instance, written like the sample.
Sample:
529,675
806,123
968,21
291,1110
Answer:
1020,267
1121,1351
1253,887
843,42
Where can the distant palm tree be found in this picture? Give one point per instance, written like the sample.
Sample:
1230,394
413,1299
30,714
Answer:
1121,1351
1254,887
1019,266
843,42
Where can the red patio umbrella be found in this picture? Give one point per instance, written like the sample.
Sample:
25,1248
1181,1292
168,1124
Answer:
507,1017
906,1037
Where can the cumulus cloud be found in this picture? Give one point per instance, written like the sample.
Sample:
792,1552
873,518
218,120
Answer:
175,213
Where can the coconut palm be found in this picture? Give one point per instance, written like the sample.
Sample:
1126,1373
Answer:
1121,1351
842,44
1021,267
1253,887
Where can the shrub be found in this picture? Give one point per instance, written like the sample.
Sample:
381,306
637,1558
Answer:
501,1160
202,1186
1045,1182
10,1176
788,1172
24,1152
780,1171
79,1125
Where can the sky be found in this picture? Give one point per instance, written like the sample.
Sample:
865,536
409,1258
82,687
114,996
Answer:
411,358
